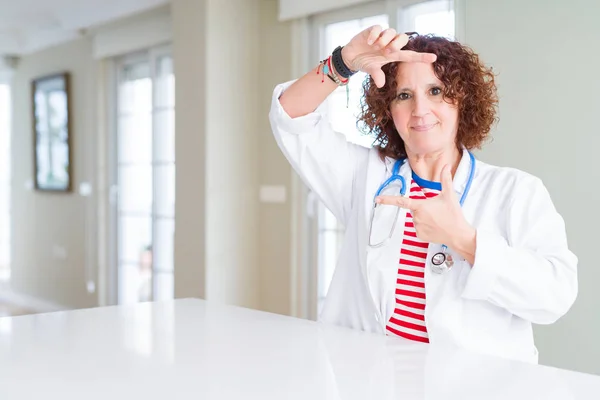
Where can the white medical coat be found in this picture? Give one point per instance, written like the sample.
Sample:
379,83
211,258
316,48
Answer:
523,273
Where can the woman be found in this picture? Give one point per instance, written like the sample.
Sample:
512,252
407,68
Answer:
439,247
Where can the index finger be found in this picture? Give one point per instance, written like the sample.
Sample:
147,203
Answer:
413,56
398,201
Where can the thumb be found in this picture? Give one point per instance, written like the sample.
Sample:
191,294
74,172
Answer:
378,77
447,185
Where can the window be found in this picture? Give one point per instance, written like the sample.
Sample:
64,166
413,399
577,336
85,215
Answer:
5,182
145,177
435,17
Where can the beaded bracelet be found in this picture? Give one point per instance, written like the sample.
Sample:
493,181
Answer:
327,70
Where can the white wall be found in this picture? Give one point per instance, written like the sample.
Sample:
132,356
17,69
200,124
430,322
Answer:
219,98
232,152
543,53
275,231
189,52
216,69
45,222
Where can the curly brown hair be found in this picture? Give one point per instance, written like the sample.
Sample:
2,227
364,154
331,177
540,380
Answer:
467,83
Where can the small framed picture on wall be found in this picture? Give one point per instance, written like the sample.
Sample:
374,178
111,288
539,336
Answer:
52,133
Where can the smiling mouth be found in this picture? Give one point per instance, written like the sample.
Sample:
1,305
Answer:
423,128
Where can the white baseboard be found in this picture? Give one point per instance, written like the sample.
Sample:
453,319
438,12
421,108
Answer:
29,302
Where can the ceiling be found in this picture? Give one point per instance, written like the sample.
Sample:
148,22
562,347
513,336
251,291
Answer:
30,25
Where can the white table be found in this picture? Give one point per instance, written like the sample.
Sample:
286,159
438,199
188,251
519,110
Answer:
192,349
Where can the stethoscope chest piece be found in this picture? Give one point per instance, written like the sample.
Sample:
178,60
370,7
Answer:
441,262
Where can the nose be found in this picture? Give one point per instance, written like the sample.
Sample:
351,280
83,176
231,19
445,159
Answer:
421,106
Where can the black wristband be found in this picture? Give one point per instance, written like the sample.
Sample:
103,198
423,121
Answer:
339,65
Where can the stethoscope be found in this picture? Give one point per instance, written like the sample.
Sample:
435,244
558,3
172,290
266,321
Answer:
441,261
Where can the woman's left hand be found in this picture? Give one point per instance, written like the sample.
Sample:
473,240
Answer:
439,219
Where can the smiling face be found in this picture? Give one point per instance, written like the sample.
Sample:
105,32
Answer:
425,121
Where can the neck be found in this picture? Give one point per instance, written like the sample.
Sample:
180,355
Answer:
429,166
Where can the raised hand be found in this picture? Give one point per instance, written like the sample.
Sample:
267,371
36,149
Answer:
374,47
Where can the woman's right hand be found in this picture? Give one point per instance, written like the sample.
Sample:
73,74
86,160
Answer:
372,48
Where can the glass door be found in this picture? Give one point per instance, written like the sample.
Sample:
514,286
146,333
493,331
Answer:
145,177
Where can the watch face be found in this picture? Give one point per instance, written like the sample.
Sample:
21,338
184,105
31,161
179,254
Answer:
438,259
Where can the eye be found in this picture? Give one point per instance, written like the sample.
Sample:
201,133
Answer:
403,96
436,91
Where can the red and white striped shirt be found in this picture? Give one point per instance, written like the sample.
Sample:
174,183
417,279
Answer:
408,318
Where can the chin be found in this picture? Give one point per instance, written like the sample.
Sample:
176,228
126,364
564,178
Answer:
430,143
427,148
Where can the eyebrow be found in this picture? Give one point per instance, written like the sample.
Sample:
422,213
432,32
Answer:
429,86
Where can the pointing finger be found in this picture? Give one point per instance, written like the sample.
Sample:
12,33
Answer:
413,56
399,201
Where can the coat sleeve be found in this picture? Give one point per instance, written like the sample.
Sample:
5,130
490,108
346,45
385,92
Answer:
531,272
323,158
